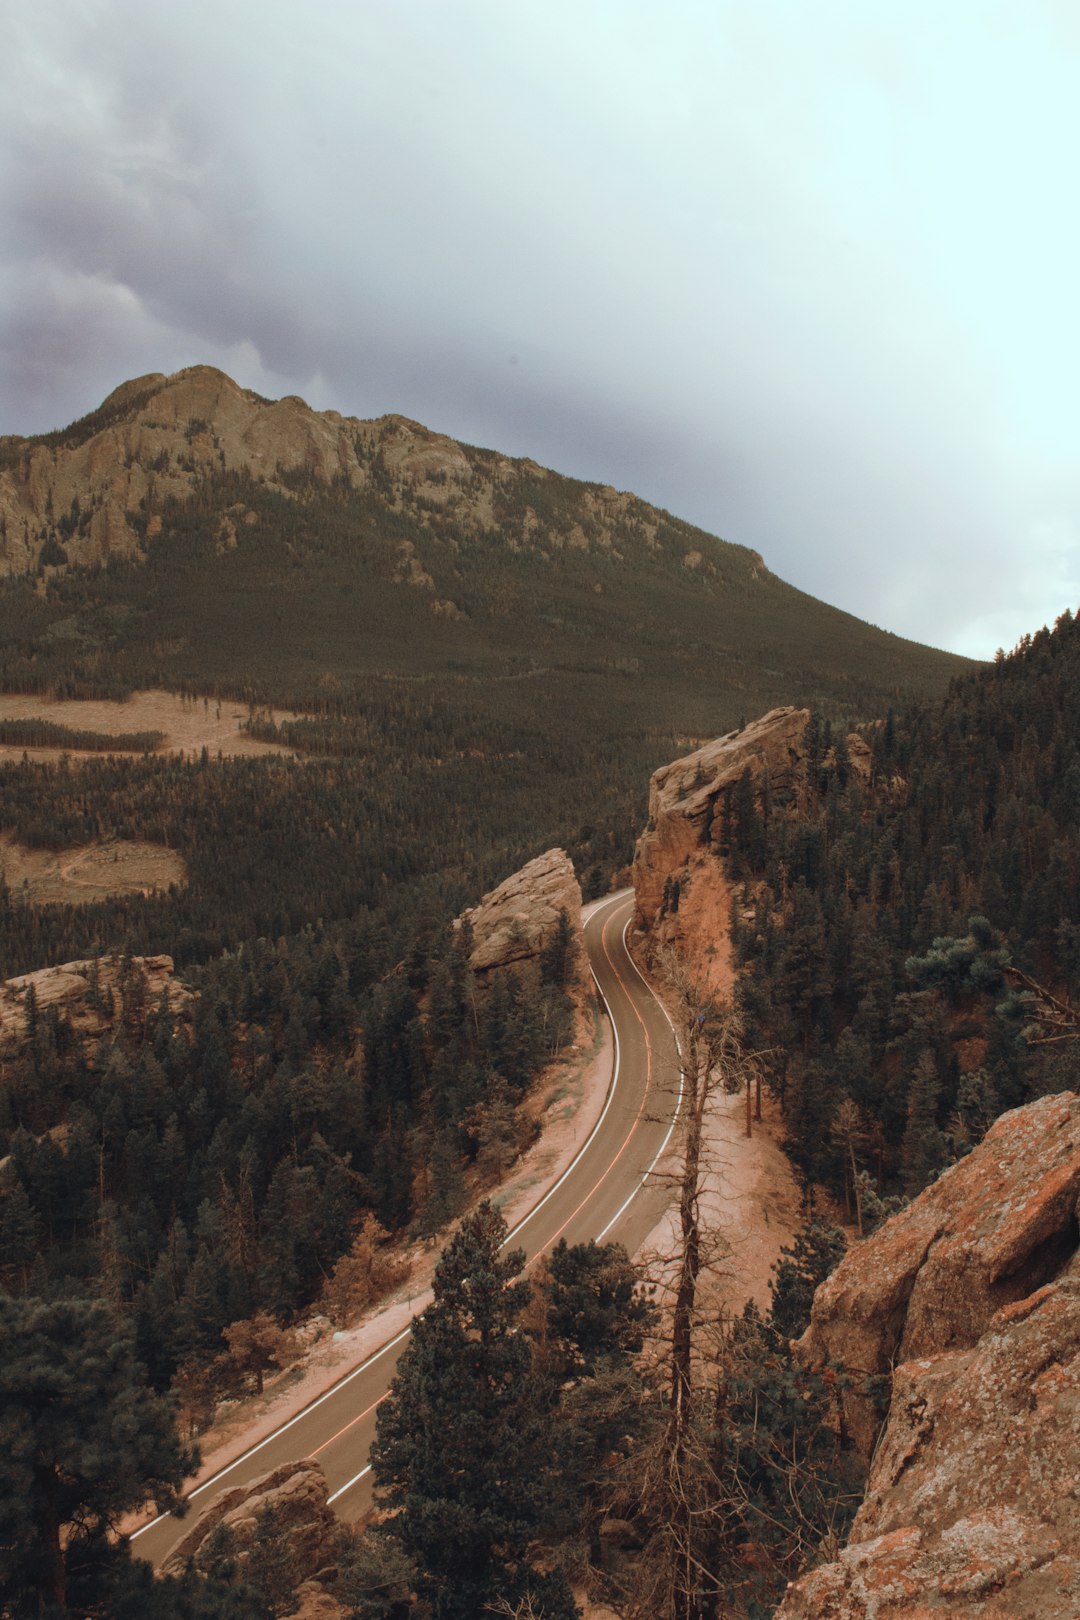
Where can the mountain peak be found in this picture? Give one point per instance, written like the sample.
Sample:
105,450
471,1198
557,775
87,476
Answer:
95,489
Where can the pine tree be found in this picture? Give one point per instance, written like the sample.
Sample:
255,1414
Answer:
20,1236
463,1440
597,1313
924,1150
84,1441
801,1268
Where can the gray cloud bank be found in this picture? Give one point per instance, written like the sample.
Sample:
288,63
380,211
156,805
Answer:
748,269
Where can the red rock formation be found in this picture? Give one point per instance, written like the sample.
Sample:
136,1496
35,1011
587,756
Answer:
973,1292
679,845
684,797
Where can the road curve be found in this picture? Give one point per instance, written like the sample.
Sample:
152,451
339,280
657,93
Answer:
606,1193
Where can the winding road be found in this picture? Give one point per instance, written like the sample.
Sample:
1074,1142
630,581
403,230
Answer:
605,1193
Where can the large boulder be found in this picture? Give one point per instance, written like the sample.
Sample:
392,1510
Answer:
988,1233
513,923
294,1496
967,1308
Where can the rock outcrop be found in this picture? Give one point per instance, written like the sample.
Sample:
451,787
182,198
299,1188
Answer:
685,797
970,1300
682,892
294,1499
156,437
513,923
90,994
98,488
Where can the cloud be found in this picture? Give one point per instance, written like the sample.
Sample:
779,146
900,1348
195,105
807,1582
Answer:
795,276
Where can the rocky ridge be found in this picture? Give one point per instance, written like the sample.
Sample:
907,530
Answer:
965,1309
97,489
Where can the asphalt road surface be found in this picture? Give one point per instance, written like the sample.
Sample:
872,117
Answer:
606,1193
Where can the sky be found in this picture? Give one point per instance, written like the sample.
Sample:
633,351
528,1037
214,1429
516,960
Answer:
805,275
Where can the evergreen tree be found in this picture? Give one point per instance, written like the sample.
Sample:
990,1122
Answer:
596,1310
464,1439
20,1237
816,1250
83,1438
924,1151
557,956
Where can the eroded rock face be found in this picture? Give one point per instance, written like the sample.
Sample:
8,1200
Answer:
682,891
512,925
973,1500
70,988
685,797
155,438
988,1233
98,488
295,1496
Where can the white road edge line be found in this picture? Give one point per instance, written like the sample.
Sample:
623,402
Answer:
678,1102
364,1472
389,1345
603,1112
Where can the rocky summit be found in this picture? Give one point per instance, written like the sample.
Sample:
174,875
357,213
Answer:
155,438
96,489
963,1313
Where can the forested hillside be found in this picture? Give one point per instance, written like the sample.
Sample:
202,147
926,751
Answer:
911,944
196,1170
493,657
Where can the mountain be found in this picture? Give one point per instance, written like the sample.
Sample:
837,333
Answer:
287,547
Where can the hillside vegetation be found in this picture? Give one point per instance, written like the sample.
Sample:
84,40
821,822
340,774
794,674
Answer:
911,945
493,658
490,660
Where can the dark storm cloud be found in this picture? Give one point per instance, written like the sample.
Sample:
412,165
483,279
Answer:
787,281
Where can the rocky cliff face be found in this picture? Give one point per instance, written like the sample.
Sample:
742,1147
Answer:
513,923
94,489
97,489
970,1299
683,894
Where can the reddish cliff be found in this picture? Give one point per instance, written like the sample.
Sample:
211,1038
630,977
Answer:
683,894
972,1294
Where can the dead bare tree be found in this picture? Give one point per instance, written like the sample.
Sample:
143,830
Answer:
677,1481
1051,1018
